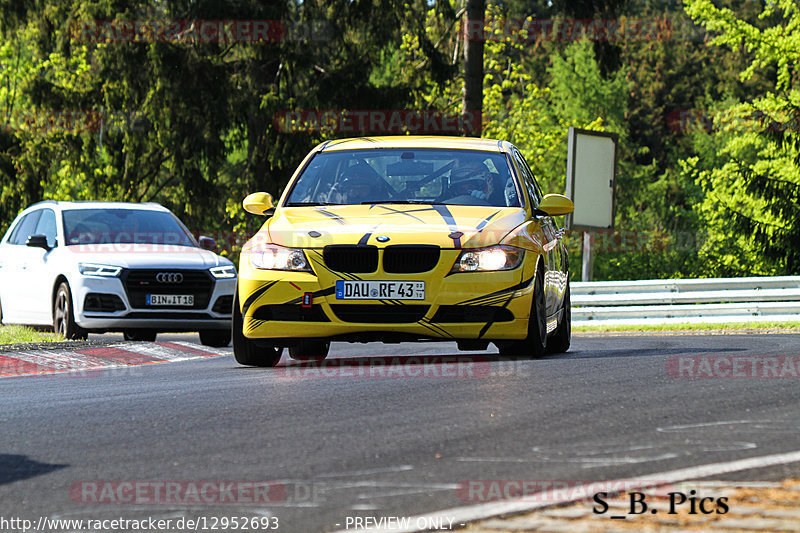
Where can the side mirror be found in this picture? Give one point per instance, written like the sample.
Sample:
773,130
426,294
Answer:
556,204
207,243
38,241
259,203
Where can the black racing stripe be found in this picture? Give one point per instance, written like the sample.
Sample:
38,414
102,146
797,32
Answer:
485,328
334,216
513,288
434,328
406,213
450,221
254,324
486,221
253,297
490,300
315,294
365,239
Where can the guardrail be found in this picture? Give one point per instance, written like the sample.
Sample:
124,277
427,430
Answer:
686,300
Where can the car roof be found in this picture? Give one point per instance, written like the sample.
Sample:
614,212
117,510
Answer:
416,141
67,206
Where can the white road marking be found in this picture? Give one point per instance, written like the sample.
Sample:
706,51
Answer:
389,470
753,425
482,511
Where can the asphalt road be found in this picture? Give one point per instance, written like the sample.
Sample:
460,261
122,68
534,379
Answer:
384,436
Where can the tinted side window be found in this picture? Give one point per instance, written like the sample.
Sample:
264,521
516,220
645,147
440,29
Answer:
527,177
47,227
25,228
535,184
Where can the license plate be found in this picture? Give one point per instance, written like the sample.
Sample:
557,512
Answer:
380,290
178,300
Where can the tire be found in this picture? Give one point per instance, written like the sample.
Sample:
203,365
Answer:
64,316
536,341
140,335
559,342
216,338
245,351
310,350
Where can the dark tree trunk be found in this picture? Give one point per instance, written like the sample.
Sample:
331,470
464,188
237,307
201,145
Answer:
473,61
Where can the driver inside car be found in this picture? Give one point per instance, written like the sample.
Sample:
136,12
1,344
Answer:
470,185
355,188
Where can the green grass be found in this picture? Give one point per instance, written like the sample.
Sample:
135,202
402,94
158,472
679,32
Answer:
756,327
22,334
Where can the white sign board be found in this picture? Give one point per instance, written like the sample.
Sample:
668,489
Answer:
591,170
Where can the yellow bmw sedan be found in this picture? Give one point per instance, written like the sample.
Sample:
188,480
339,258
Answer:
399,239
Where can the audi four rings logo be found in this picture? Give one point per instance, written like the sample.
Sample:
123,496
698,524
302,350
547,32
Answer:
169,277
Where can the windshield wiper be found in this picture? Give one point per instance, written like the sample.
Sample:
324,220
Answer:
308,204
416,202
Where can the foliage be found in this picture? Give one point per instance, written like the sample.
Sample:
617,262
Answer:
194,125
749,164
25,335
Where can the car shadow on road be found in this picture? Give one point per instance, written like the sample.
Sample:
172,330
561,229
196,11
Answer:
390,366
18,467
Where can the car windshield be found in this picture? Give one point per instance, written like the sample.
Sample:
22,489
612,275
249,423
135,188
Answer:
458,177
115,226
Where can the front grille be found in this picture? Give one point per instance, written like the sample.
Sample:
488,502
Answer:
409,259
472,313
139,283
291,313
223,305
349,258
376,314
102,303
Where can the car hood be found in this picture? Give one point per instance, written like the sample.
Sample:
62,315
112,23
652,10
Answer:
451,226
146,255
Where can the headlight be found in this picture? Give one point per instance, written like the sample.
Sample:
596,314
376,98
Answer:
274,257
224,272
489,259
106,271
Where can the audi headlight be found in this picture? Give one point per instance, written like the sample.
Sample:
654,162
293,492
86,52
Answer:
274,257
105,271
224,272
489,259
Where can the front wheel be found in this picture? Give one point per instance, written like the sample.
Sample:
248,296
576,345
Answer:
534,344
216,338
64,317
559,342
245,351
310,350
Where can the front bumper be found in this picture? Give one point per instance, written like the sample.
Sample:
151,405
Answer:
473,305
174,320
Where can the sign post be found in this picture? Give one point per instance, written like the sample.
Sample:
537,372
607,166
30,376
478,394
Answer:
591,175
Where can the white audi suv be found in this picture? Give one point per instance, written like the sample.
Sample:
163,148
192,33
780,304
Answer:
85,267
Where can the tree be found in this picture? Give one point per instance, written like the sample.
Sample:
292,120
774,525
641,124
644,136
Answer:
473,58
749,165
